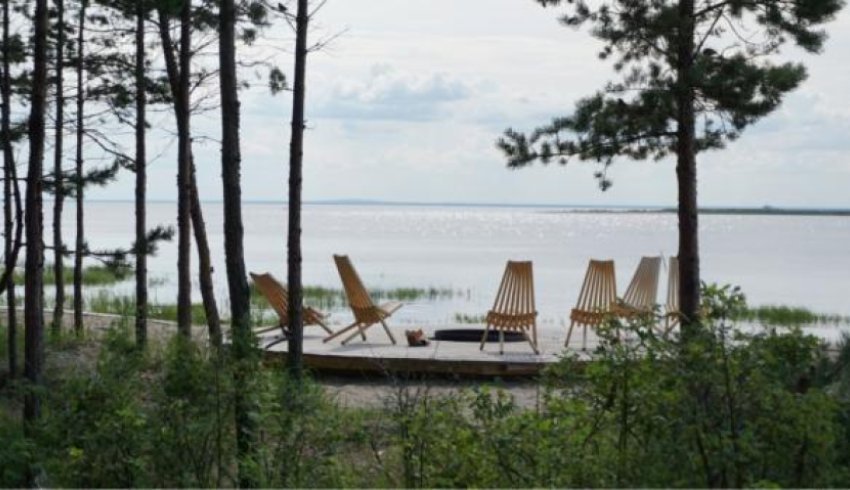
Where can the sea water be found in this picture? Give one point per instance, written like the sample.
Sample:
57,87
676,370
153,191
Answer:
775,259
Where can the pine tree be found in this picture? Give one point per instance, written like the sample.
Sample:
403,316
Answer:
59,196
296,156
682,61
79,242
33,300
11,189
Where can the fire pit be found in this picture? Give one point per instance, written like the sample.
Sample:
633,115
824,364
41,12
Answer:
474,335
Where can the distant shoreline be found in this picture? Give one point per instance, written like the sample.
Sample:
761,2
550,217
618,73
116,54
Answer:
548,208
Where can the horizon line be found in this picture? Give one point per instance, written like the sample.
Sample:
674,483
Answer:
379,202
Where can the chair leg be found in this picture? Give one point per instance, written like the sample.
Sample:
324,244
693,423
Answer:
387,329
361,330
275,342
484,337
501,341
339,332
584,338
322,324
569,333
533,344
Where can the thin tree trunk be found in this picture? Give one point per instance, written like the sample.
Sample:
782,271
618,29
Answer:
296,153
79,244
59,196
33,312
686,172
9,177
204,263
178,79
141,184
184,183
234,253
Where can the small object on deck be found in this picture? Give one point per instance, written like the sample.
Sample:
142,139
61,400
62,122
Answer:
366,313
513,309
416,338
278,298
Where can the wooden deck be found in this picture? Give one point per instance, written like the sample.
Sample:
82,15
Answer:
377,355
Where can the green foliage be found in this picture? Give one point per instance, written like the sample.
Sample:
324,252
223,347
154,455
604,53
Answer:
781,315
16,452
725,409
94,275
93,432
727,73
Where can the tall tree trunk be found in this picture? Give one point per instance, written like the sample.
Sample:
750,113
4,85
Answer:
141,184
178,78
59,195
204,262
79,244
296,153
33,312
234,253
184,183
686,173
9,177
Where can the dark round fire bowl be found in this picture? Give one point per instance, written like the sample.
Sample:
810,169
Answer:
474,335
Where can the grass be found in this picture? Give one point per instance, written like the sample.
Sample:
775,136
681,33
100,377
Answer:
331,298
464,318
781,315
107,302
93,275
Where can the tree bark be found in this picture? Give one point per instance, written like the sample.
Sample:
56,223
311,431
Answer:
205,268
178,77
33,311
141,184
184,184
686,173
296,153
59,196
234,253
79,244
9,175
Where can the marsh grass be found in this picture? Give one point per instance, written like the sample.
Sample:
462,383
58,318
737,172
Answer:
464,318
332,298
108,302
93,275
790,316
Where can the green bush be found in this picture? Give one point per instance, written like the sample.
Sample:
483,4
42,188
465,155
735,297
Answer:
724,409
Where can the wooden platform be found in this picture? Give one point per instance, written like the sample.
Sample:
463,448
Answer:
378,355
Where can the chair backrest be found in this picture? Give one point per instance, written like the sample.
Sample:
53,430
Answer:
516,292
274,292
358,297
643,290
673,286
599,291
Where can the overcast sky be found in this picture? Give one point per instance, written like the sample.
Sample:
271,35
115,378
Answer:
406,104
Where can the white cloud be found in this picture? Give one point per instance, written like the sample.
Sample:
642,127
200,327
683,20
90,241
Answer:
392,95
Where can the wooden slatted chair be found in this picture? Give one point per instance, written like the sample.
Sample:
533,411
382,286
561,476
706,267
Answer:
278,298
366,313
596,300
642,293
671,309
513,309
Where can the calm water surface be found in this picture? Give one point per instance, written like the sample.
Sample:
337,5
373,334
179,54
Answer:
792,260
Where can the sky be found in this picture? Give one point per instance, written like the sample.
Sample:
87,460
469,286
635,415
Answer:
409,97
